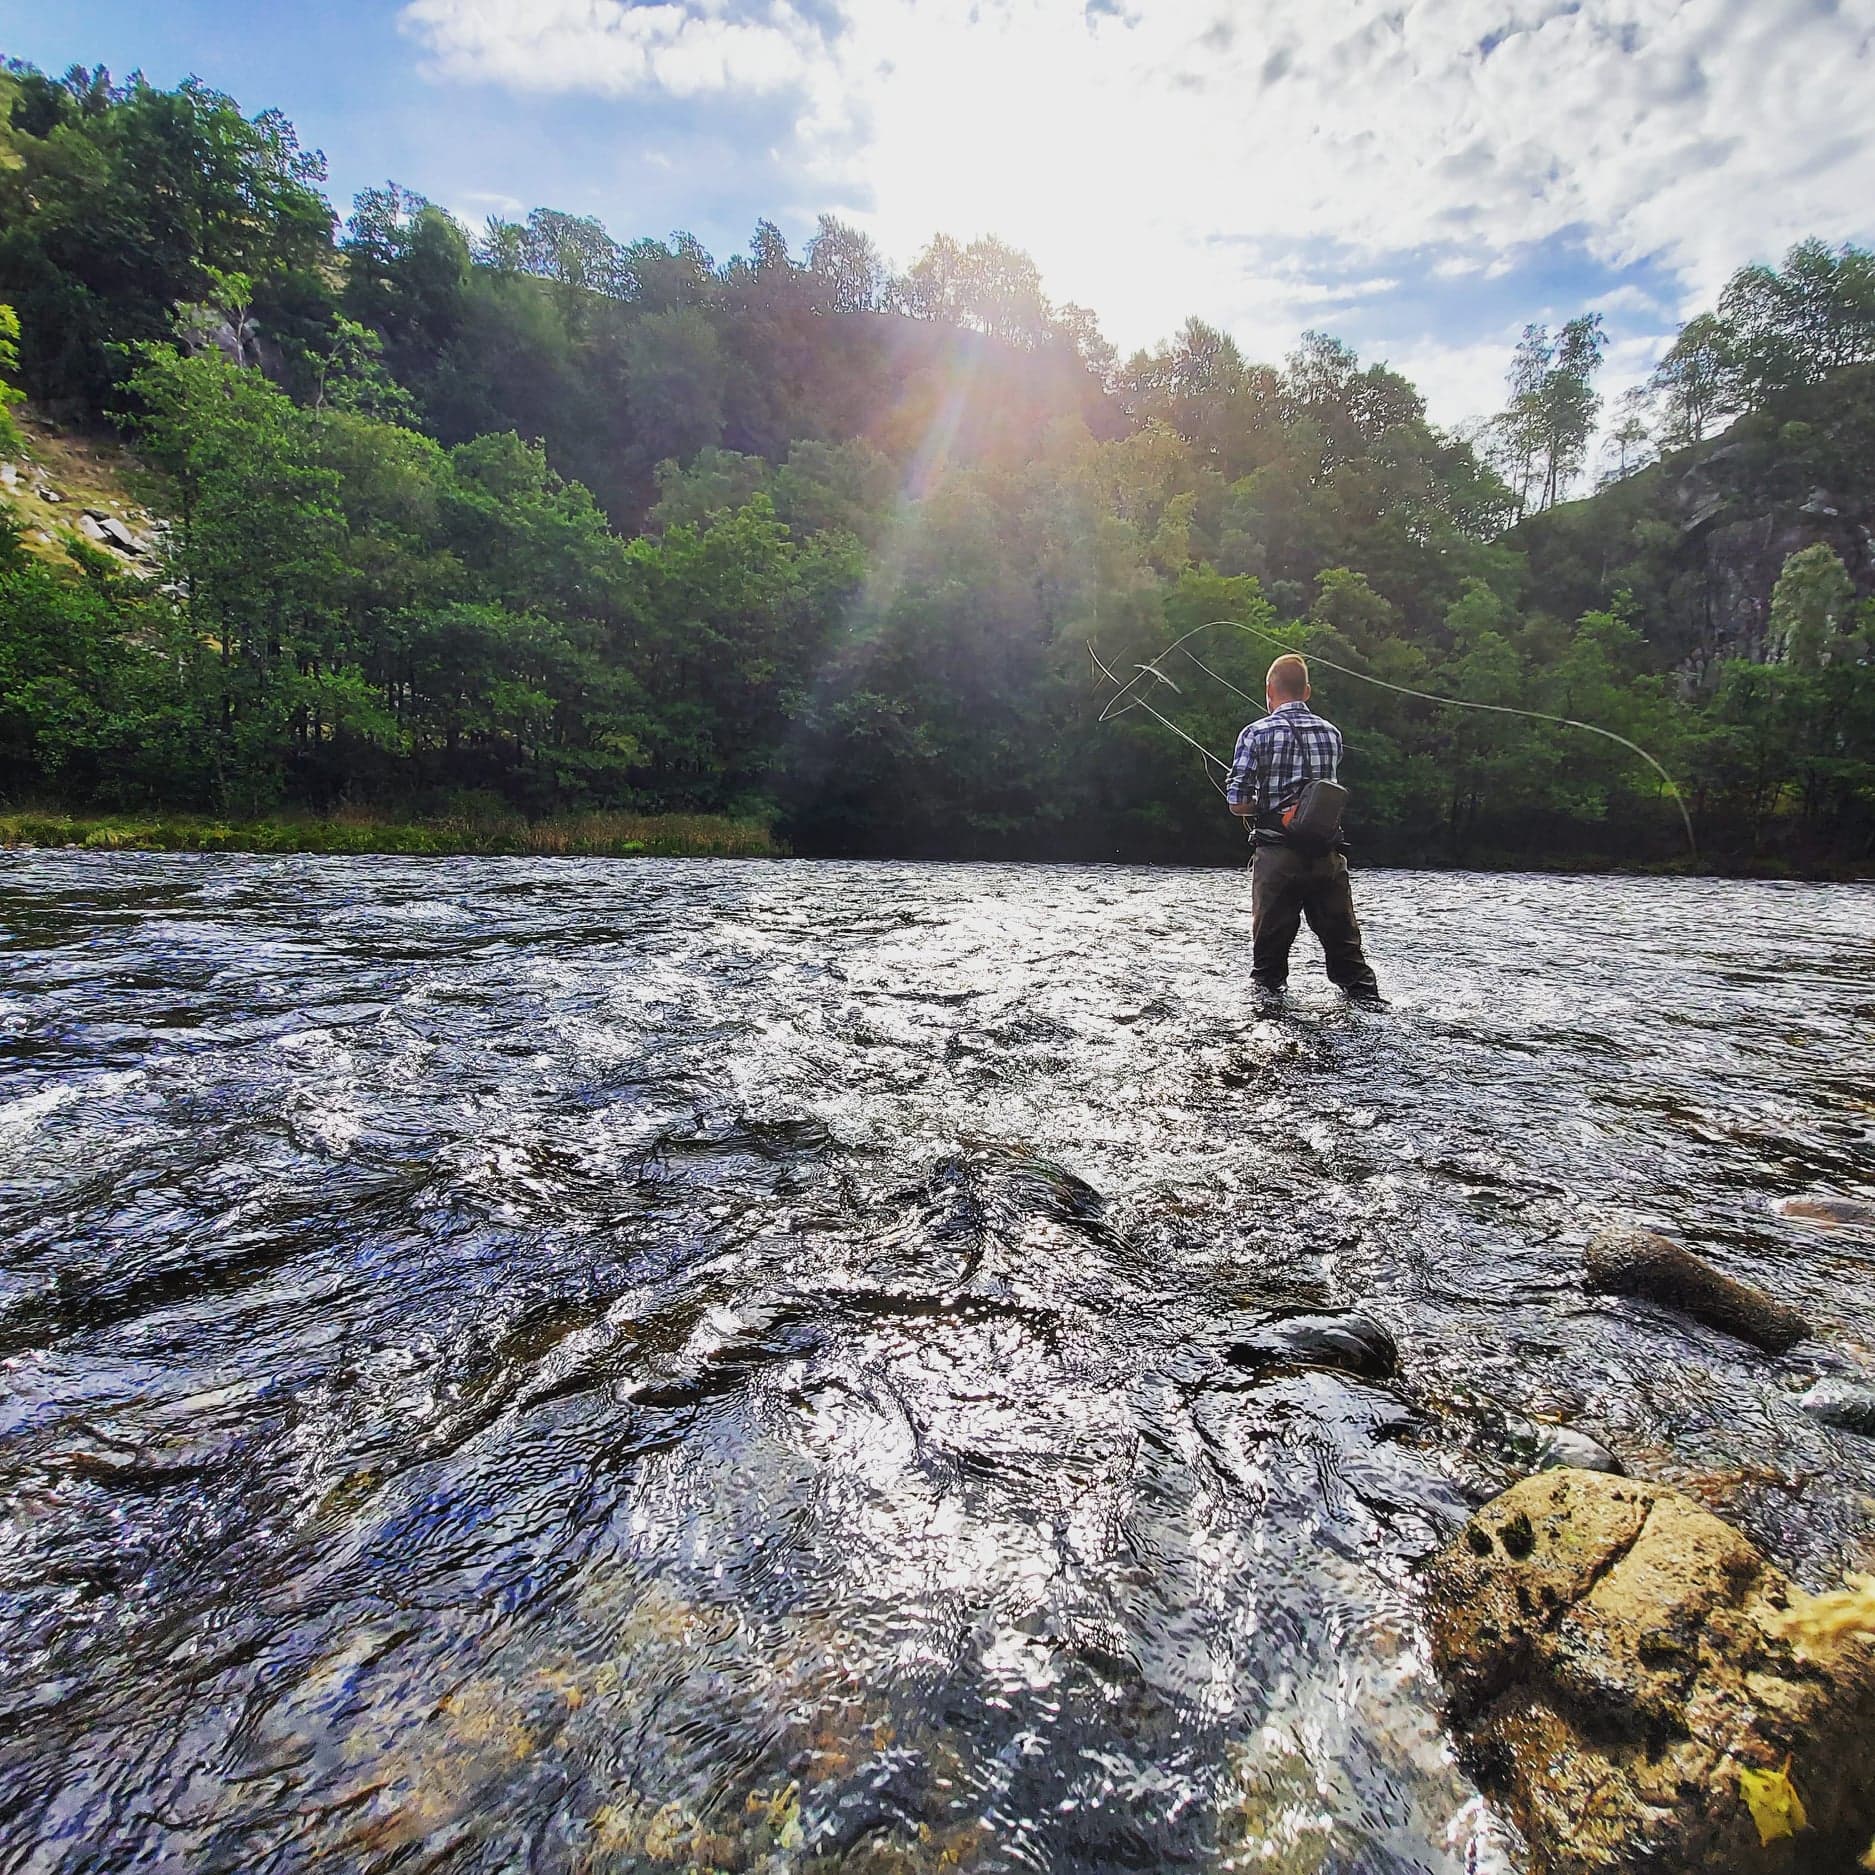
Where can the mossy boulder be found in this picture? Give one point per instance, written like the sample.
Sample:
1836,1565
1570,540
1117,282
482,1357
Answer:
1620,1675
1642,1263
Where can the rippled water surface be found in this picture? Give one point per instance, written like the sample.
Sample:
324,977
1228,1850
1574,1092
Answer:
656,1366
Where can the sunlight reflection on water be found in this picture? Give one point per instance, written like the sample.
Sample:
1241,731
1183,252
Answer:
583,1366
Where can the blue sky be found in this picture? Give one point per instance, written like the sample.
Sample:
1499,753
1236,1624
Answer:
1418,178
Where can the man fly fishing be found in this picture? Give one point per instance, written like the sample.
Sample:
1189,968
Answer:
1285,782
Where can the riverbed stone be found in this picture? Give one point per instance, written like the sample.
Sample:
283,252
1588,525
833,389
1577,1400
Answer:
1619,1678
1831,1212
1642,1263
1350,1344
1562,1448
1848,1404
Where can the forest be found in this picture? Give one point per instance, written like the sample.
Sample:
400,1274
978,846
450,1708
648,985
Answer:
535,519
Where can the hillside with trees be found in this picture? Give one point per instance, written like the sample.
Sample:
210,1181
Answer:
540,517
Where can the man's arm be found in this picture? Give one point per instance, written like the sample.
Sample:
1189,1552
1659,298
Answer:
1241,790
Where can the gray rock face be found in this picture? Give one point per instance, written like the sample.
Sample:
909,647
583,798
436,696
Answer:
1621,1677
1640,1263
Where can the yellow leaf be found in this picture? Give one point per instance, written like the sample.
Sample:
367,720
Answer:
1773,1802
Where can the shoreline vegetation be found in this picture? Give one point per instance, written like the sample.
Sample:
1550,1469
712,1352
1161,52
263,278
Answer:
358,831
362,831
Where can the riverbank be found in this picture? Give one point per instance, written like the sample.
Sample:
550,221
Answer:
596,835
611,835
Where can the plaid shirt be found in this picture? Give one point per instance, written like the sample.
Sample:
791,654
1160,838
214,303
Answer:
1278,753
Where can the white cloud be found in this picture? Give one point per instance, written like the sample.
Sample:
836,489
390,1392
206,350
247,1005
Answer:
1458,382
1149,157
472,204
1628,299
679,46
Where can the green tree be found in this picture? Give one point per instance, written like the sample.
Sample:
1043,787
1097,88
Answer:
674,375
845,267
126,202
11,396
257,546
1695,382
1810,608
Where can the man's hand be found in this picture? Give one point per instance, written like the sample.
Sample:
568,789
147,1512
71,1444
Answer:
1245,811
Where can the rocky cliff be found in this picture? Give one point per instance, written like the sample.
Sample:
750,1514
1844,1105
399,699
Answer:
66,491
1699,538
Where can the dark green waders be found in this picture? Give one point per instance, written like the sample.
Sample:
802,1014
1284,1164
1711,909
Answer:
1287,886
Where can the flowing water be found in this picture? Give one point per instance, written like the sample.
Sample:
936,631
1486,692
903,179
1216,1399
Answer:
568,1366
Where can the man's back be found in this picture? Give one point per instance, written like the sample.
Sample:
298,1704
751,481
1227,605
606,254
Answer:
1278,755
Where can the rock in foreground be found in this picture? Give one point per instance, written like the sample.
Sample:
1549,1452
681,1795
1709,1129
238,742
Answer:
1641,1263
1615,1662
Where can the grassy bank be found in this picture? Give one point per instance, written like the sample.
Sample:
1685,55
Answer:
593,835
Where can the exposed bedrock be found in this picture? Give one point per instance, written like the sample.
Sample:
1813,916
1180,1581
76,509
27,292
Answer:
1620,1676
1627,1262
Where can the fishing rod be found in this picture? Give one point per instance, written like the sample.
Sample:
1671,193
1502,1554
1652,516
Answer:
1119,703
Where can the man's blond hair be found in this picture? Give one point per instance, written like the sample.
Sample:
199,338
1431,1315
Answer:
1289,678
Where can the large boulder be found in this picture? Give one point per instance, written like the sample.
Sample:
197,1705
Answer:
1620,1676
1641,1263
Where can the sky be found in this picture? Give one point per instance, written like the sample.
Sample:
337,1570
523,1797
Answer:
1418,179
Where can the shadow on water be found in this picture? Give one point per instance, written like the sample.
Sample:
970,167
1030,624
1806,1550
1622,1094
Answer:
578,1366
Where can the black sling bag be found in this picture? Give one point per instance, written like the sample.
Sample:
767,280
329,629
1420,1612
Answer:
1312,822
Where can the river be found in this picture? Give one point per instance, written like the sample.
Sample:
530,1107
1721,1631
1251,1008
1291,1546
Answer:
574,1366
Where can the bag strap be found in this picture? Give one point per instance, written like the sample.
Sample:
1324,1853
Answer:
1295,736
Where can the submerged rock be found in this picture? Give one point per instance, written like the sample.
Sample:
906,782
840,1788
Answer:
1538,1446
1617,1667
1562,1448
1351,1344
1642,1263
1831,1213
1843,1403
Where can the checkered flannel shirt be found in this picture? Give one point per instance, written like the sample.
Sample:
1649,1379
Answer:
1278,753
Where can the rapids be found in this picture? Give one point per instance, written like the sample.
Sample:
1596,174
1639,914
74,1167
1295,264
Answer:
576,1366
